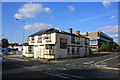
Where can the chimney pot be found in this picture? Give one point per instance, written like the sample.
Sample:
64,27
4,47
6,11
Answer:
77,32
86,33
70,30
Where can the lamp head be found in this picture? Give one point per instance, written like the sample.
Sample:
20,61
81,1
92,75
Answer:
17,19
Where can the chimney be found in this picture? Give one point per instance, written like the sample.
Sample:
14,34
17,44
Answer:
70,30
86,33
77,32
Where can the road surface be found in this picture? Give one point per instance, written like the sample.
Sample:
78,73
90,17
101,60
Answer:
77,69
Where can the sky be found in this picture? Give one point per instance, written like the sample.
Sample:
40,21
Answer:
82,16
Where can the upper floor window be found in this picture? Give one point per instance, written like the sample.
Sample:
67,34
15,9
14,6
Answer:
77,40
32,39
40,38
86,42
72,39
49,36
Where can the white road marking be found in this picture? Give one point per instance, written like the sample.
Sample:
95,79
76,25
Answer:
88,62
31,67
64,68
67,64
62,75
53,73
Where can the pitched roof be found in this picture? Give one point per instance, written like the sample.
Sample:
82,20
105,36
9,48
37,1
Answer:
53,30
45,31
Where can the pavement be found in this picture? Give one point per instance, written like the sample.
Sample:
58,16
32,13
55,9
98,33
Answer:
70,69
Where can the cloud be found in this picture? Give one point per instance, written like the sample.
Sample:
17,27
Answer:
113,17
114,36
4,35
112,31
109,29
47,10
31,10
116,40
106,3
71,8
37,26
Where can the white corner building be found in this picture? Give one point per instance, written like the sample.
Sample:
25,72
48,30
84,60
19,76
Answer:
53,44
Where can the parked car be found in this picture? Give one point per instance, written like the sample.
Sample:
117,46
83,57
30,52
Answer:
1,58
5,53
5,49
12,52
117,50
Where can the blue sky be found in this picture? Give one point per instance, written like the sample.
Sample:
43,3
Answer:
83,16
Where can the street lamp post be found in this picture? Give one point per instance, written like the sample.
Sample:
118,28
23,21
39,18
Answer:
22,32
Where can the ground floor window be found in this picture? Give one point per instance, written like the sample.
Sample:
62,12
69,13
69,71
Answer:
78,50
30,49
73,50
49,49
68,51
48,46
85,49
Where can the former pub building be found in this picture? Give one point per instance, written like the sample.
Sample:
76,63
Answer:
53,43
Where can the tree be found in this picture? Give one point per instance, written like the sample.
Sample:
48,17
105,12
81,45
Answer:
115,45
118,47
25,44
103,46
5,43
106,46
14,44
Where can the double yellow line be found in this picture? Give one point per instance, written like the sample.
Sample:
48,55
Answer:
104,66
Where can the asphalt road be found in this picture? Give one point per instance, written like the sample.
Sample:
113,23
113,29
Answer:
77,69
